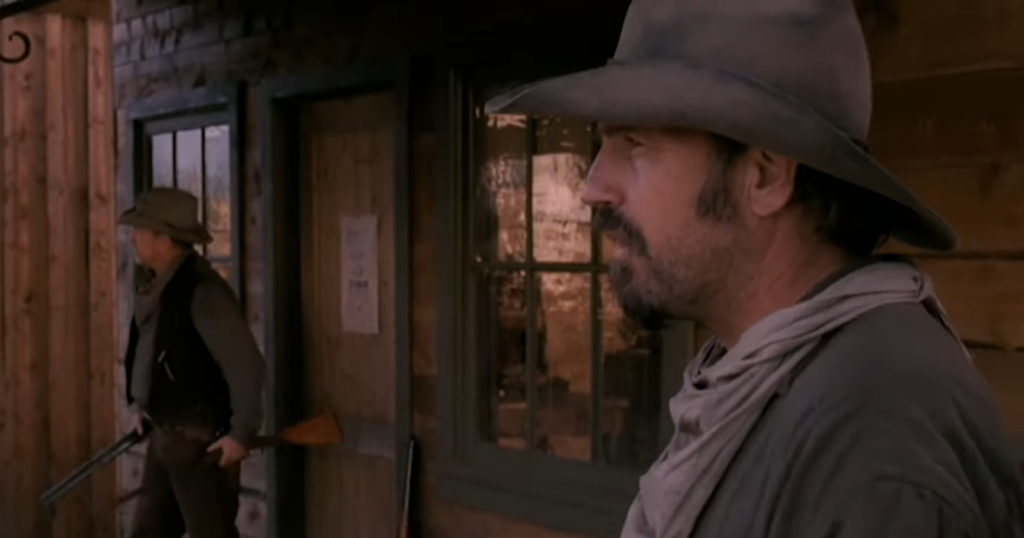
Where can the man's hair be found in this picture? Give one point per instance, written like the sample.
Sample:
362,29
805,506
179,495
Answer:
852,218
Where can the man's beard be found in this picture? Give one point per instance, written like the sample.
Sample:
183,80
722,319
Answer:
655,313
621,277
646,313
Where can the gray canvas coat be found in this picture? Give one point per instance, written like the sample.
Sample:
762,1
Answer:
886,433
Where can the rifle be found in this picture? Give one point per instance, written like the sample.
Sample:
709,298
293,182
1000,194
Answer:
88,468
320,430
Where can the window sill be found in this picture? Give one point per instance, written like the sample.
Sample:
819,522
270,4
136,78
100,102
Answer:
579,498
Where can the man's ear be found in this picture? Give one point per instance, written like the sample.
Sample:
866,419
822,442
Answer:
166,240
771,186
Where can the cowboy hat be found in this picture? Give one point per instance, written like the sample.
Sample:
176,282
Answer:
789,76
174,212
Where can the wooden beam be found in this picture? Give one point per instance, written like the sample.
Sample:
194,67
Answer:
984,203
960,119
79,9
916,38
984,299
1004,370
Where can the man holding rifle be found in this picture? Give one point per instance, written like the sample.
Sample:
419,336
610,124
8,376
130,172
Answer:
194,373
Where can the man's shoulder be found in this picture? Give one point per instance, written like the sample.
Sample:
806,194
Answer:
899,363
895,394
212,288
898,351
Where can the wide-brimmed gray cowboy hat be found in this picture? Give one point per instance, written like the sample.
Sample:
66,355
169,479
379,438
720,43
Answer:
174,212
789,76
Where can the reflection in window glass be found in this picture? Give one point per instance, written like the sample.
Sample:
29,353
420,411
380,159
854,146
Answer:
500,215
563,378
199,161
561,158
563,371
163,160
217,190
188,159
501,331
630,402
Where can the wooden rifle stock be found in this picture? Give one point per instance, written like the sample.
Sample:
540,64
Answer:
320,430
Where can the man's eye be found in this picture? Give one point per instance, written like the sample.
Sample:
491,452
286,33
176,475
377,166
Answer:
631,140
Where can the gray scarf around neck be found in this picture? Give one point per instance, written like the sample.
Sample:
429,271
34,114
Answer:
724,392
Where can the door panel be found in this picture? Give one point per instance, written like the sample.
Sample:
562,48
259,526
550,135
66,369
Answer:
348,169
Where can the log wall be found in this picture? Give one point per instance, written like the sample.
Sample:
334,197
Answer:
57,311
947,121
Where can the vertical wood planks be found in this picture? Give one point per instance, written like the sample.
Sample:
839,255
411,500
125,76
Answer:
67,262
8,398
103,334
25,276
57,277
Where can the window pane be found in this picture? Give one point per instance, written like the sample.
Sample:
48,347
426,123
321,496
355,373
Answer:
500,160
162,151
607,249
217,142
631,404
561,222
563,374
500,331
189,161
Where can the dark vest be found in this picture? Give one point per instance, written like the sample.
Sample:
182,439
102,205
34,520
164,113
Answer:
187,383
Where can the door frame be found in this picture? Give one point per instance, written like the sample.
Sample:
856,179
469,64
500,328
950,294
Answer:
279,102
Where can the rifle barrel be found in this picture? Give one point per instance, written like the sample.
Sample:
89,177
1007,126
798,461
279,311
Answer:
89,467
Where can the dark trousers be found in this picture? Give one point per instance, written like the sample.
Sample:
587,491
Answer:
183,488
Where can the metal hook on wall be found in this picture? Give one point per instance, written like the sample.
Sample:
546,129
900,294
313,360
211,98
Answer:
26,48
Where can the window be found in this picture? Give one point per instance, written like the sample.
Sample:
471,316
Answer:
557,402
189,143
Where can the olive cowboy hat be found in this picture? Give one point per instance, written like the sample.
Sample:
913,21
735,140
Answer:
790,76
169,211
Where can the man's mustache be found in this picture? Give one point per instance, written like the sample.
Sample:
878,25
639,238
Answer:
611,223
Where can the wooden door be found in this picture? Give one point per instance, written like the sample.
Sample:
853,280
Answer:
347,163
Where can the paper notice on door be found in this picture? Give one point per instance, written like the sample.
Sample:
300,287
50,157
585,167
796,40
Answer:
359,280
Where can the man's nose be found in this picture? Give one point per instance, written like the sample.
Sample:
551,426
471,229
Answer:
602,188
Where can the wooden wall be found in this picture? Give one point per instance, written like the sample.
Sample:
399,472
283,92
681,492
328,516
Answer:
57,312
948,120
944,120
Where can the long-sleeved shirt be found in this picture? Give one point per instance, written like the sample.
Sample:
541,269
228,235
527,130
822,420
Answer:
221,323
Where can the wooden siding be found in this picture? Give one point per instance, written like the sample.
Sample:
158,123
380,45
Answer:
944,120
348,169
58,306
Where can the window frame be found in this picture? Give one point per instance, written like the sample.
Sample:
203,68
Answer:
564,495
212,105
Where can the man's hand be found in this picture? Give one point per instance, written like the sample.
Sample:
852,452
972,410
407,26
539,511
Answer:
231,451
138,421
